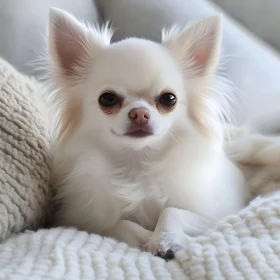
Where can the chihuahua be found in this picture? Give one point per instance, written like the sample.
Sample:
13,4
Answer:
139,153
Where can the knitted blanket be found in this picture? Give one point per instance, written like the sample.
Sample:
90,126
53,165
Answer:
243,246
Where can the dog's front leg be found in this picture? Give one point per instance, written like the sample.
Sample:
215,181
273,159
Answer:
130,233
174,230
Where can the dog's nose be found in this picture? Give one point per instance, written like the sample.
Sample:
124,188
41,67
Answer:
139,116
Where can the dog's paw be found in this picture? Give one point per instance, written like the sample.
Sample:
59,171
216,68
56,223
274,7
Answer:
167,244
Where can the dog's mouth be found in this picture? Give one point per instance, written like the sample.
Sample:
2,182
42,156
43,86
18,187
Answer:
136,132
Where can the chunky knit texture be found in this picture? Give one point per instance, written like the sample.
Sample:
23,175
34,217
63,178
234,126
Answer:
244,246
24,153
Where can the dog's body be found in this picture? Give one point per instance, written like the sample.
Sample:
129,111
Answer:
103,188
140,148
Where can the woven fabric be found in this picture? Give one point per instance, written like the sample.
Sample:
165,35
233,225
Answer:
24,153
244,246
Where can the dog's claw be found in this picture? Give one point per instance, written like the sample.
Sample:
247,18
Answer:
167,256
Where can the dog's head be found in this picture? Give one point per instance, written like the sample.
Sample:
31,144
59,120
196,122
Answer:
135,92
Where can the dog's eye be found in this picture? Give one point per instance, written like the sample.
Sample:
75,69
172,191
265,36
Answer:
108,99
167,99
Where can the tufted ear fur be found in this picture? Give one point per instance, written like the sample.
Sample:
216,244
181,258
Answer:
73,45
198,45
72,49
197,51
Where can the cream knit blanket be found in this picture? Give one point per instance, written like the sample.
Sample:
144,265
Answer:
244,246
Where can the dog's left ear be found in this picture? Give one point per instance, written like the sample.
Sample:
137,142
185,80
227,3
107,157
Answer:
197,47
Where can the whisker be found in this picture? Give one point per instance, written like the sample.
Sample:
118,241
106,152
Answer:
177,136
174,138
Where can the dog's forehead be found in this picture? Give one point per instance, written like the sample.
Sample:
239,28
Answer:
139,63
141,50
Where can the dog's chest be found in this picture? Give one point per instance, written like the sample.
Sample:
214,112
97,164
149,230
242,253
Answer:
138,187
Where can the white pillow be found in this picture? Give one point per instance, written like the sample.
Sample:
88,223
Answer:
253,67
23,25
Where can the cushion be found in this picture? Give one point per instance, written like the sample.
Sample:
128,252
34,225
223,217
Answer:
251,65
23,26
24,154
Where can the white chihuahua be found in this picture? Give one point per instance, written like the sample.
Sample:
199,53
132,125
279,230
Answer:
139,154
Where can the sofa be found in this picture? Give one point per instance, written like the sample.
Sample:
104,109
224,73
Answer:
242,246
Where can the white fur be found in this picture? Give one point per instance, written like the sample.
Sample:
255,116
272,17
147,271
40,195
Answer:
258,156
151,192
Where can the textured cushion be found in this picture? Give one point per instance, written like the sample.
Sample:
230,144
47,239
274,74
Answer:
24,154
251,65
23,27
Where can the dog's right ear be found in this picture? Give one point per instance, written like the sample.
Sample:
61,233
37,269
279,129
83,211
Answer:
72,46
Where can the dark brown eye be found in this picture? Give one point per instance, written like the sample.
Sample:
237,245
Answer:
108,99
167,99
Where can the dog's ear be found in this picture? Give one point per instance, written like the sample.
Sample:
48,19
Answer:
72,50
72,45
197,47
